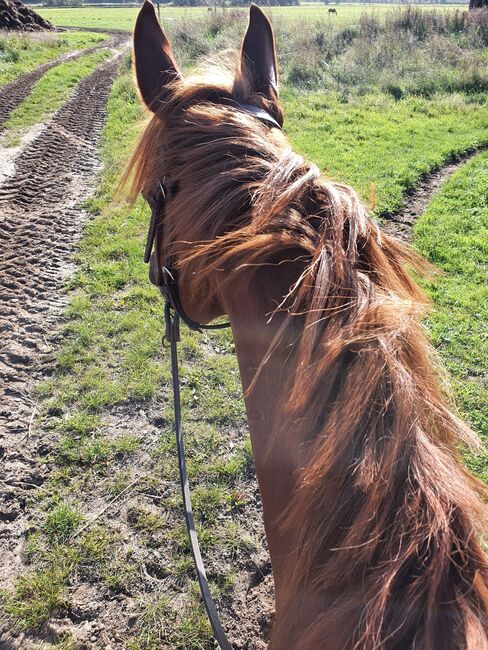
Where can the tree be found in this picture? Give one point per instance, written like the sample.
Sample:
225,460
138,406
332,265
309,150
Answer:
478,4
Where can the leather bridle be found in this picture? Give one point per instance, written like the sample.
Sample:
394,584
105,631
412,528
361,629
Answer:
163,274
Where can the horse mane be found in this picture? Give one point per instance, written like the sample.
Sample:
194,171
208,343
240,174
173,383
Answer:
389,518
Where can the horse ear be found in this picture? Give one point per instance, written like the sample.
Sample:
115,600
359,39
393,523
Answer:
154,61
258,58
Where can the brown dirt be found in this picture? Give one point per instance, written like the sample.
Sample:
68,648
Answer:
42,220
16,16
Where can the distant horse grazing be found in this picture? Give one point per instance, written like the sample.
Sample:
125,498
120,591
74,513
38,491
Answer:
372,521
332,11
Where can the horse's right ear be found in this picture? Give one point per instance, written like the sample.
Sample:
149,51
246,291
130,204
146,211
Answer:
154,61
258,57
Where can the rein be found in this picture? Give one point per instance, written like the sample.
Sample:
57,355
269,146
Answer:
163,275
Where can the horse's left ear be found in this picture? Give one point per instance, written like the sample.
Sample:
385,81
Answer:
258,57
154,61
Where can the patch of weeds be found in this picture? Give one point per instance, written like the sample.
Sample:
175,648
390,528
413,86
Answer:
80,423
209,501
121,573
37,596
172,625
121,482
97,450
62,522
230,470
235,539
34,547
208,537
144,521
182,568
125,445
96,545
84,452
237,500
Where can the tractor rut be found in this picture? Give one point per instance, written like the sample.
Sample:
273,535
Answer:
17,90
400,223
41,220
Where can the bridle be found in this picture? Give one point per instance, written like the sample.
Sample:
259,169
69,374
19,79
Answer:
162,273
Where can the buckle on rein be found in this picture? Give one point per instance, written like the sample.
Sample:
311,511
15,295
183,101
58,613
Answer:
160,275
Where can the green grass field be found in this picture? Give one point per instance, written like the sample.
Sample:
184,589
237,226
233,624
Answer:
111,364
124,17
453,234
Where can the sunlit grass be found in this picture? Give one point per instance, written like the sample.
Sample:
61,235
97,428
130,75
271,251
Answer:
124,17
453,234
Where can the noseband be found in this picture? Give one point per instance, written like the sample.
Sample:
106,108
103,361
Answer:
163,275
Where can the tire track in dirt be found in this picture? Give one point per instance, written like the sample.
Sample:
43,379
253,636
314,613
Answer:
40,223
12,94
400,223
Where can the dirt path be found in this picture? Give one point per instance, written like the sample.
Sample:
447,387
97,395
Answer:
41,221
400,223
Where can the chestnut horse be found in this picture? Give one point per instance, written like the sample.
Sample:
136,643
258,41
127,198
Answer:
373,523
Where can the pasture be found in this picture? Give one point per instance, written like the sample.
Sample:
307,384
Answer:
384,98
124,17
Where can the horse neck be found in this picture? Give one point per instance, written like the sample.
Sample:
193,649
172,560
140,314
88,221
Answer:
264,379
354,470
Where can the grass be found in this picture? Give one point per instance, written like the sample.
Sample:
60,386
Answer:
124,17
453,234
112,368
160,627
49,93
36,598
62,522
22,54
380,145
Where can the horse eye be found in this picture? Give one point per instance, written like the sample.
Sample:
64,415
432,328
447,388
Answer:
175,188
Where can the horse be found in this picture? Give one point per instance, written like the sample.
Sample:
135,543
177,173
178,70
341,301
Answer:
372,521
332,11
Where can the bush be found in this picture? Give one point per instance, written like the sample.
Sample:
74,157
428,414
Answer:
409,51
303,75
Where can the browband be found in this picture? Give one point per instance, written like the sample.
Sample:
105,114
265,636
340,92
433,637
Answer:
261,114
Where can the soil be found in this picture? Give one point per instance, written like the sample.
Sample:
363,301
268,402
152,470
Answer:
16,16
42,221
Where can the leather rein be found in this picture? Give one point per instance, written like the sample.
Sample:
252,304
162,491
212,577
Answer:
163,275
